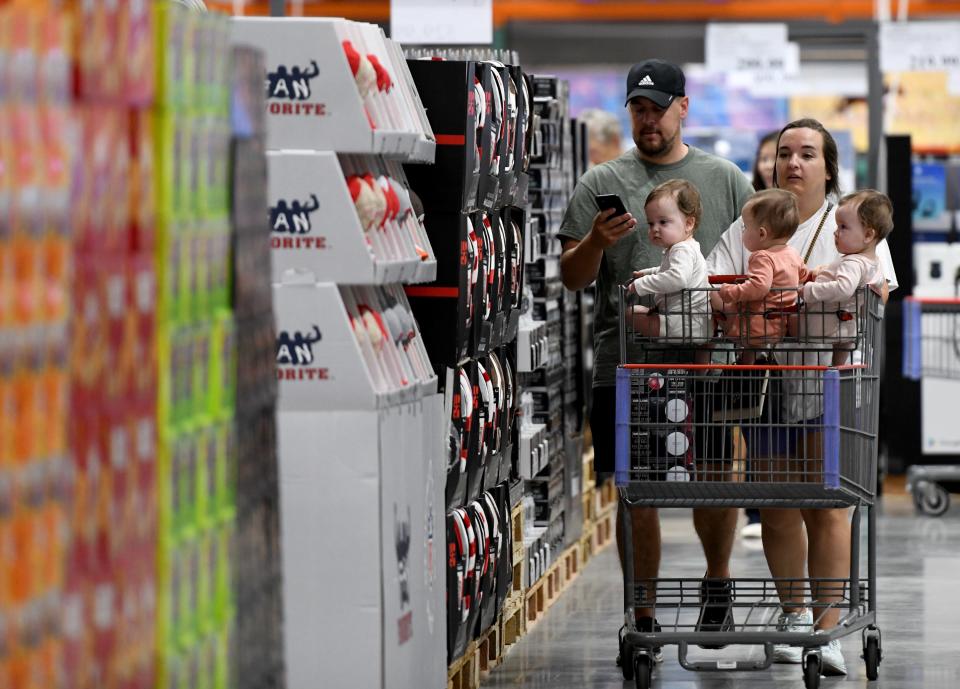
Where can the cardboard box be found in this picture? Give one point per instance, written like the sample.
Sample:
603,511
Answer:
388,508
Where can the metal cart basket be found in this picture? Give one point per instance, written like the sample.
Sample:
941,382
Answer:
931,350
789,430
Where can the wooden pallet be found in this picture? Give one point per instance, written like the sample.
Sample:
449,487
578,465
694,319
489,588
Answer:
464,672
491,646
514,619
589,477
608,495
603,530
548,588
516,526
589,506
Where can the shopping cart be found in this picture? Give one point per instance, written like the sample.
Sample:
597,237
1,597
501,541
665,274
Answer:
709,435
931,350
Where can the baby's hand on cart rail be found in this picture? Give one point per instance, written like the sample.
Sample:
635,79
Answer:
728,293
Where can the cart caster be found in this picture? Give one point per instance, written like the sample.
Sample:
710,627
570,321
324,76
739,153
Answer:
931,498
624,656
872,652
643,670
811,669
626,663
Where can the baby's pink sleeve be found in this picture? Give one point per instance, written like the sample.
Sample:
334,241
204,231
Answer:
760,271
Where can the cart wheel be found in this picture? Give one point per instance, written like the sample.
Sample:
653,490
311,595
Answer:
626,661
811,671
933,499
643,670
871,656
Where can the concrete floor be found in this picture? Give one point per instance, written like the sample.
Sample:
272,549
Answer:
575,644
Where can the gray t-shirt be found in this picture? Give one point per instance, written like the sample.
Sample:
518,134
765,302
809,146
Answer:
723,191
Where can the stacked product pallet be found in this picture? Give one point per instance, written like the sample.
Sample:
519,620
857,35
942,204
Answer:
197,349
474,203
554,383
358,423
257,576
110,610
35,257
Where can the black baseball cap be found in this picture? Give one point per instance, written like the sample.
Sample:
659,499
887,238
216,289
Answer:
657,80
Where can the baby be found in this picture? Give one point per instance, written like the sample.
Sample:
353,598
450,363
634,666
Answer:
864,219
679,284
774,272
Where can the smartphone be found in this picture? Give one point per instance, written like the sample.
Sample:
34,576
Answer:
606,201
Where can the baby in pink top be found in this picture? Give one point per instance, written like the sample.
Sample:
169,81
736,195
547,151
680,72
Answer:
755,309
864,219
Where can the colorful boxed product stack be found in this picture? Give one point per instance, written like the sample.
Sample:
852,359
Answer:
197,349
258,584
35,257
109,611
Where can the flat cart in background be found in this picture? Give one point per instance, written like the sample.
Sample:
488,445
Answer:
931,350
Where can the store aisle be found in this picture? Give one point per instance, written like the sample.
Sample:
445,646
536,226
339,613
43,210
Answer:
575,644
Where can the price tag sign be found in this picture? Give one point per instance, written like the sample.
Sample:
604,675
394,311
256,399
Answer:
750,48
442,22
773,81
920,46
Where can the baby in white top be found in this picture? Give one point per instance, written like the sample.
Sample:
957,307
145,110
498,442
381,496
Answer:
864,219
679,284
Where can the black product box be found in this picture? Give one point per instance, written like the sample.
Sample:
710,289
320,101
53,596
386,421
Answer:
443,307
662,438
446,88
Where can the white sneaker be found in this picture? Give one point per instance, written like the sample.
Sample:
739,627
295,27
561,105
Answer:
792,622
750,531
833,663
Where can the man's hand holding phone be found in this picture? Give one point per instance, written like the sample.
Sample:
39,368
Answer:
612,223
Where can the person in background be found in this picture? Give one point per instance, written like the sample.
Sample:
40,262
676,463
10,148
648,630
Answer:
606,248
604,135
763,165
764,162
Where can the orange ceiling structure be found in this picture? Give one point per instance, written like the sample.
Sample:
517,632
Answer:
505,11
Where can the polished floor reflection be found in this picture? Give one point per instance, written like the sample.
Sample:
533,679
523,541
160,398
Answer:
919,614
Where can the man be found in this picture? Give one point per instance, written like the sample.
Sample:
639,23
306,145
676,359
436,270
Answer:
606,248
603,135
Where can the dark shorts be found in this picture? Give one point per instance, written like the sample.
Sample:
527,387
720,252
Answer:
602,426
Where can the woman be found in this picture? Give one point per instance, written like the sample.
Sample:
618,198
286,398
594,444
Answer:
806,164
764,162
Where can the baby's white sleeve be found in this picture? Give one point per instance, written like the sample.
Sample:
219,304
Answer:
841,289
674,278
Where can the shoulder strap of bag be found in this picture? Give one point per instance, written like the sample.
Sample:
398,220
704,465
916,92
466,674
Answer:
816,235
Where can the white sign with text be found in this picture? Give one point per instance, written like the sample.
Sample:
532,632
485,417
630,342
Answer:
920,46
750,48
442,22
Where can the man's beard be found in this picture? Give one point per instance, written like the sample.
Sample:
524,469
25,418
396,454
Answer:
654,150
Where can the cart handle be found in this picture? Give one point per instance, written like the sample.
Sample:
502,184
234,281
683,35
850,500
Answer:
726,279
739,367
944,301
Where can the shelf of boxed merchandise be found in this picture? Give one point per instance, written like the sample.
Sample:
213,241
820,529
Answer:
197,354
359,418
257,561
474,199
